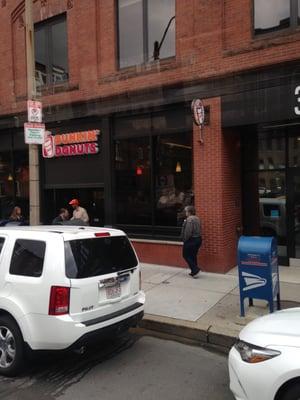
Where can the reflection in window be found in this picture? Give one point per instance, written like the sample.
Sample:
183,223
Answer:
6,184
141,24
153,179
294,151
131,32
14,175
271,151
133,181
159,16
51,52
173,179
271,15
272,207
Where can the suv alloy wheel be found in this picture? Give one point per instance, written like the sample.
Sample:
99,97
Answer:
11,347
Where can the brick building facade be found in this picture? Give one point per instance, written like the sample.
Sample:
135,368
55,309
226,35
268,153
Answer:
245,71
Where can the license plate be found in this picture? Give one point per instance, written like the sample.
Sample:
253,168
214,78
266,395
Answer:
113,292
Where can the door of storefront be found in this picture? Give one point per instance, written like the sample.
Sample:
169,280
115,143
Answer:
271,188
293,210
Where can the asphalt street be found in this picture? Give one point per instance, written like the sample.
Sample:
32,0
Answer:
132,367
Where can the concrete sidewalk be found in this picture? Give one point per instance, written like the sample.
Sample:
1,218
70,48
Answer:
207,309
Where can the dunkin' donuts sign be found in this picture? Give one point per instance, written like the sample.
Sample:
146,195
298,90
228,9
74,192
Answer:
71,144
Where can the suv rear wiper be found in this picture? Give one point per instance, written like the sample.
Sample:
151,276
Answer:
125,271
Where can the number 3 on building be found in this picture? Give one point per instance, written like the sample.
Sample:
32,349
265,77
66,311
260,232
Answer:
297,93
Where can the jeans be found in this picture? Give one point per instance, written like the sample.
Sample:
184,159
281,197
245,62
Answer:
189,252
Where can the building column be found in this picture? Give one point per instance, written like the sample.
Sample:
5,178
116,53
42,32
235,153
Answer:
217,191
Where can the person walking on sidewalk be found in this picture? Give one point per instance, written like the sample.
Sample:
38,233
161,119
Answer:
191,236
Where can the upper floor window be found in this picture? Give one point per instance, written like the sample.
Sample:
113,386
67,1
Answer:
51,51
146,30
275,15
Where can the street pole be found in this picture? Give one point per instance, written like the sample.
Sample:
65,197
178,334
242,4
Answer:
34,179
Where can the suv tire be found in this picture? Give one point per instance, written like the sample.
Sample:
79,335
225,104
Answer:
292,392
11,347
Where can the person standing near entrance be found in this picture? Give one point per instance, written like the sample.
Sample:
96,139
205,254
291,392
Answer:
79,212
192,240
62,217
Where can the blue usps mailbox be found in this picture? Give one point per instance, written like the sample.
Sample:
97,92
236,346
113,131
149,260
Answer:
258,270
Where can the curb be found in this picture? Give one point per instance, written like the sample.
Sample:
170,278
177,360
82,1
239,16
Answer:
201,336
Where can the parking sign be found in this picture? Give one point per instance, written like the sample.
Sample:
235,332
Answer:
34,110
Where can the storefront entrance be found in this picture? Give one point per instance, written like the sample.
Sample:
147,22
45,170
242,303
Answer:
271,188
294,213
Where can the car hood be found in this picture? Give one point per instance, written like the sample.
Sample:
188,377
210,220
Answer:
281,328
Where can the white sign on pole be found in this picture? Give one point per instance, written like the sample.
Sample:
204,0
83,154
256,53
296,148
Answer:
34,133
34,110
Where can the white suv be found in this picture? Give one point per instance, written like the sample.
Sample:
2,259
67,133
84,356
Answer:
62,285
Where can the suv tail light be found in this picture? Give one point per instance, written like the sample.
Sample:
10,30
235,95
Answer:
102,234
59,300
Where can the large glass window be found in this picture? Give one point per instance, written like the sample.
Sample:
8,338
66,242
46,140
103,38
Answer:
133,181
51,52
153,172
14,175
146,30
173,186
274,15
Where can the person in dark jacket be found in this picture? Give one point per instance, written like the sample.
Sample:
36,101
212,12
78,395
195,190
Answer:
62,217
192,240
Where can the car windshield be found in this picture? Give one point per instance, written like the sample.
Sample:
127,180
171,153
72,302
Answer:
99,256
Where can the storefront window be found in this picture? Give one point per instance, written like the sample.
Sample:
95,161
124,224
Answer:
133,181
21,177
173,179
6,183
14,176
153,173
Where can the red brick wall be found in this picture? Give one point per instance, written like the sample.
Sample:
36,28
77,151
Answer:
159,253
217,191
213,38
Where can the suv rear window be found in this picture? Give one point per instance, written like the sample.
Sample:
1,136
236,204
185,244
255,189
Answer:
92,257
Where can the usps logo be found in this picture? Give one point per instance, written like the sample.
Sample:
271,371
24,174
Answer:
253,281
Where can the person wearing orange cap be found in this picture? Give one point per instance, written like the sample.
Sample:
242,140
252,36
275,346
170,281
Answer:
79,212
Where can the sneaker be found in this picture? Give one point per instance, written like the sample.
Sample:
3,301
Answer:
194,274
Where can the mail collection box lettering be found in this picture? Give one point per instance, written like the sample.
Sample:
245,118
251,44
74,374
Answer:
258,270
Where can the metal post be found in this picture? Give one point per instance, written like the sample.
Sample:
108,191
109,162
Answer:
34,179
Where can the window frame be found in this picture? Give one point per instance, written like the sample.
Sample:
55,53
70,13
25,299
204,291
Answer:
294,26
146,59
48,24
